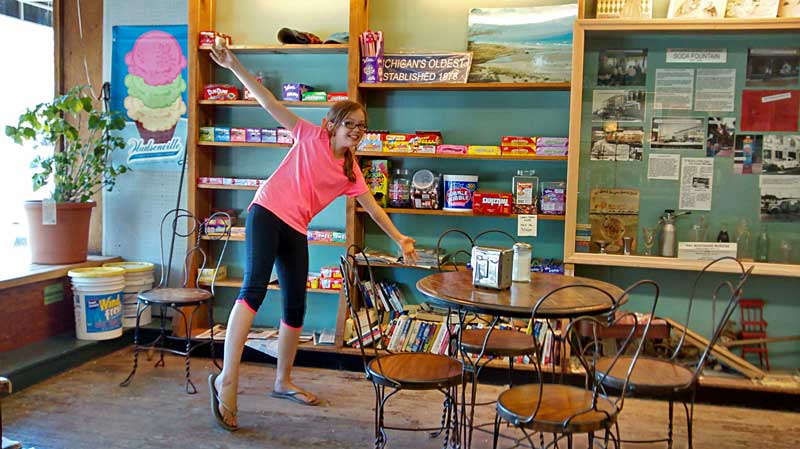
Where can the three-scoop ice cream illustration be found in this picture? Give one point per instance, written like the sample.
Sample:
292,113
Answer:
155,85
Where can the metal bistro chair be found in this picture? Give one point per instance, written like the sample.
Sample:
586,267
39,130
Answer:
484,344
668,378
394,372
564,410
178,298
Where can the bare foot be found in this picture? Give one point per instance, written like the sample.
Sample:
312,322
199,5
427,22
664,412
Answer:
301,395
227,400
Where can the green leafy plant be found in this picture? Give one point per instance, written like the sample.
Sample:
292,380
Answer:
80,164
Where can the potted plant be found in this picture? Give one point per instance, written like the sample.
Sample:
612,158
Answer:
79,166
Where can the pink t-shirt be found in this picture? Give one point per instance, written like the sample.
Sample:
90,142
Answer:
308,179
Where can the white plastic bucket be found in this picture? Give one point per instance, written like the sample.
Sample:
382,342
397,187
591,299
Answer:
97,297
458,192
138,278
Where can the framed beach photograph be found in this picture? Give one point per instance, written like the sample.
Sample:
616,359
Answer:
752,9
521,45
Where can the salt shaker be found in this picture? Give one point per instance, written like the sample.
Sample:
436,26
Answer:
522,263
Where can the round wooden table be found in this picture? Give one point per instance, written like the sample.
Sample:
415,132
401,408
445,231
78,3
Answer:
454,289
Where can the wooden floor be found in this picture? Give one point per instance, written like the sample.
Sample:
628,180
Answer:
85,409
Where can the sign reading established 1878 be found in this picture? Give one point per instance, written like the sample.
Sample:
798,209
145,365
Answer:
428,68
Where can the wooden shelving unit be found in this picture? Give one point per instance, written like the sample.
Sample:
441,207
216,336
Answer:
462,157
285,49
237,283
394,210
290,104
700,26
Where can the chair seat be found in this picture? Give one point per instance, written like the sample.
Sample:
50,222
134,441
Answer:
177,296
650,375
502,342
416,371
559,402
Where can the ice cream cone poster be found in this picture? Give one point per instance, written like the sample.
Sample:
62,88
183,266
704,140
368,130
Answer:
149,81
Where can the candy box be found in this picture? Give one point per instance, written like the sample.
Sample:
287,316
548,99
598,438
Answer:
285,136
552,151
312,280
426,143
518,145
207,275
220,92
269,135
337,96
491,203
206,133
552,141
294,91
398,143
488,150
207,38
238,135
317,96
451,149
376,175
253,135
372,141
331,271
517,151
222,134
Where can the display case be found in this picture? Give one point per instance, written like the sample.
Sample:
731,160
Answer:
683,143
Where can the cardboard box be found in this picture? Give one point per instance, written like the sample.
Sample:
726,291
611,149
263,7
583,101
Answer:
451,149
486,150
222,134
376,175
206,133
492,203
372,141
317,96
269,135
207,274
285,136
294,91
238,135
337,96
253,135
398,143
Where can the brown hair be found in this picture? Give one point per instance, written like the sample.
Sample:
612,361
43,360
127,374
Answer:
336,115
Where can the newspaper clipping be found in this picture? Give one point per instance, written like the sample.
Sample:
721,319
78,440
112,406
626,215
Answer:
697,182
674,89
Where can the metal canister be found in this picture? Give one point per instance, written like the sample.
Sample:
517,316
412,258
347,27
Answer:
522,262
491,267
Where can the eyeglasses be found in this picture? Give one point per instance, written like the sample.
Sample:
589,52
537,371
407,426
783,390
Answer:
353,125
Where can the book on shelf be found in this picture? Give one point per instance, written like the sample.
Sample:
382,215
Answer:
325,337
256,333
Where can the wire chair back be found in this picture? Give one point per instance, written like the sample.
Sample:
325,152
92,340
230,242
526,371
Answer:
453,259
183,224
354,295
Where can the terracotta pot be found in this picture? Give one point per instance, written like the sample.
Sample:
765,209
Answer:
64,242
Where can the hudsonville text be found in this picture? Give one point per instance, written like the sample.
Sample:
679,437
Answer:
438,68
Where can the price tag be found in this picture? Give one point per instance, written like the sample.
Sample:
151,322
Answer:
48,212
527,225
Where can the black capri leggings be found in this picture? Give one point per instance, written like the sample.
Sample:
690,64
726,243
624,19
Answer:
270,242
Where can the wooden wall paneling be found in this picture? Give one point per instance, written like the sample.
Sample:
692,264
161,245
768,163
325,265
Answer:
27,319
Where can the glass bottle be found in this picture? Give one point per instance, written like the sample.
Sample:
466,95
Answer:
522,263
762,247
723,234
743,240
400,189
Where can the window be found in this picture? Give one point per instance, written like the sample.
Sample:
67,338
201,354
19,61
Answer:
29,25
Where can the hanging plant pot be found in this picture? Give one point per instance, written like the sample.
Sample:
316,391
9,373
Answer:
66,241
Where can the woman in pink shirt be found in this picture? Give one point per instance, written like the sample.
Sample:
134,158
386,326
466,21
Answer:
318,168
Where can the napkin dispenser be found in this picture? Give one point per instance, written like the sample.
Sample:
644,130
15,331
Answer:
491,267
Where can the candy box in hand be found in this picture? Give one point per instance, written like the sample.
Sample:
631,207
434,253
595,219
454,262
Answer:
220,92
492,203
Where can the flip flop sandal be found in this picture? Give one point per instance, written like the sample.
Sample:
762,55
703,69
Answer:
295,396
216,402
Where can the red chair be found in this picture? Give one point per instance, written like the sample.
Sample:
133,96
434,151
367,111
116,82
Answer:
754,326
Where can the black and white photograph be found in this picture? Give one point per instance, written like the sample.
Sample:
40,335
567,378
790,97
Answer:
780,154
772,67
747,156
671,133
622,105
721,131
780,198
700,183
622,68
613,143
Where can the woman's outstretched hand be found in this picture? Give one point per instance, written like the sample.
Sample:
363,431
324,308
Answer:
222,55
409,253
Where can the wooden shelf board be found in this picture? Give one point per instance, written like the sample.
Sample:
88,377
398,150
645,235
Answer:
464,86
672,263
241,238
287,48
290,104
237,283
446,267
393,210
225,187
673,25
459,156
205,143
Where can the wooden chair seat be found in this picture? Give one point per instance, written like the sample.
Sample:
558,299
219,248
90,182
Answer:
177,296
416,371
649,376
559,402
502,342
